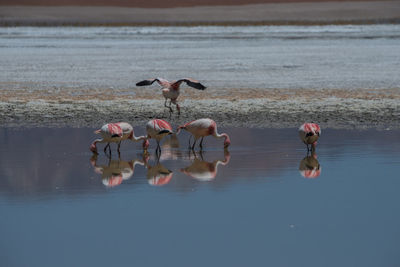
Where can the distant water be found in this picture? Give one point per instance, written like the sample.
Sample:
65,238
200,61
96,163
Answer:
348,56
263,203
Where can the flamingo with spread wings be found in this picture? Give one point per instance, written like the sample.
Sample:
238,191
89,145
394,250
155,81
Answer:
170,90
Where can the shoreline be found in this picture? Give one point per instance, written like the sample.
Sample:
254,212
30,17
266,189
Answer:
287,13
279,108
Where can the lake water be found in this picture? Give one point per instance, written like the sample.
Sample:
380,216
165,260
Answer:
344,57
264,204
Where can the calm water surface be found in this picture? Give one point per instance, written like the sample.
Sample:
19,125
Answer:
262,203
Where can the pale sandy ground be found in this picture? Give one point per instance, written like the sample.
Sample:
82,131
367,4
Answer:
270,13
341,108
331,108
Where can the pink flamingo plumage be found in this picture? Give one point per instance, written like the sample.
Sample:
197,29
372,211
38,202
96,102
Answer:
158,129
309,134
202,128
170,90
158,175
205,171
116,171
309,166
116,133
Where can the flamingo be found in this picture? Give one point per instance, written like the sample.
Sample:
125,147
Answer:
158,129
170,90
202,128
116,171
205,171
309,166
116,133
158,174
309,134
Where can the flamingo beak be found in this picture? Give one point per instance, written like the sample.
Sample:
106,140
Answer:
93,148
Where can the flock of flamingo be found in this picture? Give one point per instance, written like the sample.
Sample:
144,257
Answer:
157,129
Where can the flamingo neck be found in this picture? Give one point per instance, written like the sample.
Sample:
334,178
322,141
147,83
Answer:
175,86
139,138
225,161
179,129
223,135
93,146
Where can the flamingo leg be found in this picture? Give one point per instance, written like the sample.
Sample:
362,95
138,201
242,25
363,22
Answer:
107,146
190,137
201,154
119,146
201,143
194,143
165,105
178,108
158,146
308,149
170,108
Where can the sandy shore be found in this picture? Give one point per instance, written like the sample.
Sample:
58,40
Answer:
249,108
340,12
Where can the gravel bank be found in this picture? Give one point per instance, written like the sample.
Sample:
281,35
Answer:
259,108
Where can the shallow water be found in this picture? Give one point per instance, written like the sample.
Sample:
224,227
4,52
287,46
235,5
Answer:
61,206
344,57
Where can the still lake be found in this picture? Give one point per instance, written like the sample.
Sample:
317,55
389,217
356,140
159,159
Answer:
261,203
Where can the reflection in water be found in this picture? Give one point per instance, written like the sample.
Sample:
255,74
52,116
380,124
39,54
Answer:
170,148
157,174
309,166
205,171
116,171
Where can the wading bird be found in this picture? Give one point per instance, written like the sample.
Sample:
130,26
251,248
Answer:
309,134
205,171
170,90
158,129
158,174
309,166
116,171
202,128
116,133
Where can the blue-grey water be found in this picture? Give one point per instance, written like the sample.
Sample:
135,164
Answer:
268,205
344,56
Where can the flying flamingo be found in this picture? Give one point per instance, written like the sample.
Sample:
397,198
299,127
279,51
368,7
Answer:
309,134
170,90
202,128
205,171
115,133
158,129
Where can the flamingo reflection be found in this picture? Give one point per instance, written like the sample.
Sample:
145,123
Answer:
116,171
170,149
157,174
205,171
310,167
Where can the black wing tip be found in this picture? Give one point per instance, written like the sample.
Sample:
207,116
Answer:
143,83
165,131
